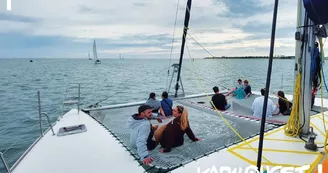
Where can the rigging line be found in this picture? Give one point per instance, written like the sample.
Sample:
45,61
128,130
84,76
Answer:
27,132
322,79
207,81
214,56
214,107
305,26
106,96
175,23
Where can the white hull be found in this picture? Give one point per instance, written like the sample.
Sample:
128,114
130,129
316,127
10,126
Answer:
97,150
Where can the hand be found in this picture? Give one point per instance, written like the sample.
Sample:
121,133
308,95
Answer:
197,139
161,150
159,120
147,160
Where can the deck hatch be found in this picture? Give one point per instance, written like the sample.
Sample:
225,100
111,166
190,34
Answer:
69,130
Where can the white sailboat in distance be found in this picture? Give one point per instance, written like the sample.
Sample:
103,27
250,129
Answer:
89,56
97,61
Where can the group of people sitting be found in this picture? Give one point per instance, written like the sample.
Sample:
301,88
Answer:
219,100
283,106
144,136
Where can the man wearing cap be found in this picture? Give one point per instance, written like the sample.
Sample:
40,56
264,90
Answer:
142,132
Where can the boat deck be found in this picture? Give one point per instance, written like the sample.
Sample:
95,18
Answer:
92,151
104,146
278,149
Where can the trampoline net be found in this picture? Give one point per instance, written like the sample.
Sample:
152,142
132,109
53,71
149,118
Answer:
206,125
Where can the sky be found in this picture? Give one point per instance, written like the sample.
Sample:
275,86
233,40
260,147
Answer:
143,28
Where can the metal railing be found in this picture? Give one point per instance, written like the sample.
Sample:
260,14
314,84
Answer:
45,114
7,168
50,126
5,163
72,102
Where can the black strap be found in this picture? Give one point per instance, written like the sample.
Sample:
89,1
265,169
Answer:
168,104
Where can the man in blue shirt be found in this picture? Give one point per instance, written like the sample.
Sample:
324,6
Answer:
166,105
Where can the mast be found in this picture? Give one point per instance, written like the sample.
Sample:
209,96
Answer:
185,29
305,42
267,87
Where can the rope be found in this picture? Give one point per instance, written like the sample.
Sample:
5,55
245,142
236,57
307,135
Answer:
321,48
175,23
217,59
207,81
225,121
292,127
27,132
323,75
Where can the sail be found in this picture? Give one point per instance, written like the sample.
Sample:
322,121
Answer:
95,50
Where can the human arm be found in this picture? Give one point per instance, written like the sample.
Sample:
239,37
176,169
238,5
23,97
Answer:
162,112
142,143
190,133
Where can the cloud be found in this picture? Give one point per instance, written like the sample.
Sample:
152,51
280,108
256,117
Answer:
17,18
245,8
144,28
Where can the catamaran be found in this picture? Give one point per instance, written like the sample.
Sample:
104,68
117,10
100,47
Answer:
95,55
82,140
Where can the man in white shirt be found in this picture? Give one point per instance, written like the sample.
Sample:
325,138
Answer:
258,103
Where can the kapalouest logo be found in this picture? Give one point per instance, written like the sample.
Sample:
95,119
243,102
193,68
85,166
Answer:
9,5
253,169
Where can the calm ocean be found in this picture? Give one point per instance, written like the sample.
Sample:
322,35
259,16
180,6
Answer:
120,80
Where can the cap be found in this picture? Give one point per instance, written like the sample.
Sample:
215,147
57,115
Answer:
143,108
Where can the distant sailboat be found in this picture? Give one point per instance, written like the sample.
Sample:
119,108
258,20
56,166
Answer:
121,57
89,56
97,61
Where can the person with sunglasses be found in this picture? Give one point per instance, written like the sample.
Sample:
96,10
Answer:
172,134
